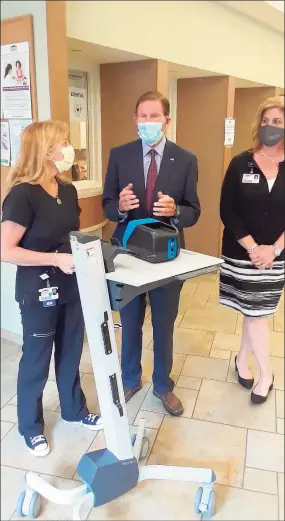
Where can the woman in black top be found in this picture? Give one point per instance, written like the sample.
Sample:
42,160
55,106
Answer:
39,212
253,213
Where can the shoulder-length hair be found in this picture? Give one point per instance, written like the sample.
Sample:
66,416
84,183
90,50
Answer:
277,102
37,140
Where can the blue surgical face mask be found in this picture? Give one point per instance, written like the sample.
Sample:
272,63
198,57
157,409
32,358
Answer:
150,132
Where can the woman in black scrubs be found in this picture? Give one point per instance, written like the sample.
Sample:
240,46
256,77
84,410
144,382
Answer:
253,212
38,214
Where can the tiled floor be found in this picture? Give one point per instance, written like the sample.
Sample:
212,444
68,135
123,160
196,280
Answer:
219,429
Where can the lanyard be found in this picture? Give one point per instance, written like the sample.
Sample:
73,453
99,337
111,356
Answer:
250,167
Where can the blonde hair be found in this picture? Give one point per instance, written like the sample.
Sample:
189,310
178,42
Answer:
37,140
277,102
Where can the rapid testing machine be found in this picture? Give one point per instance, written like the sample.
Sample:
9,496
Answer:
108,279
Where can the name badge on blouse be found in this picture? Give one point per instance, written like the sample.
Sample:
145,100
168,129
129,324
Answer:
250,178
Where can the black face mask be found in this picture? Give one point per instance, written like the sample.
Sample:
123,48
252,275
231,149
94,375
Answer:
270,135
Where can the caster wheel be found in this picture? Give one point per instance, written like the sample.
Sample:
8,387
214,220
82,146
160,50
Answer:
144,448
19,507
35,506
211,507
198,498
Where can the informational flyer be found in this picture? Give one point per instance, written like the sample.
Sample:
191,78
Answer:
229,131
15,81
5,144
16,129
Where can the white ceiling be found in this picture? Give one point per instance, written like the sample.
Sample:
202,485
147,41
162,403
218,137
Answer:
242,84
91,52
277,4
268,13
99,53
181,71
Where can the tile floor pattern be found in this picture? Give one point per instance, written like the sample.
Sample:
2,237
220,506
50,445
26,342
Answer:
219,429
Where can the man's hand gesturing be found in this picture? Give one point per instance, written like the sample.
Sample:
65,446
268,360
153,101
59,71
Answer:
165,207
127,199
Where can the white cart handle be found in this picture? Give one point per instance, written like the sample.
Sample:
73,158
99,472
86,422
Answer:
76,510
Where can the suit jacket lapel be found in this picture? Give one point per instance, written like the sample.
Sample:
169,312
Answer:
138,173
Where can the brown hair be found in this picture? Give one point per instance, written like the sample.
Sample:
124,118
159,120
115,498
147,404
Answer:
154,95
37,140
277,102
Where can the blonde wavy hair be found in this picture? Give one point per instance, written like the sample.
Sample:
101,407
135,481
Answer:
277,102
37,140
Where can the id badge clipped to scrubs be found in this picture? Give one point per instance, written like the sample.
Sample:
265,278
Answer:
49,295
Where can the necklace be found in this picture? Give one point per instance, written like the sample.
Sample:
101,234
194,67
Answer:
274,159
48,190
58,200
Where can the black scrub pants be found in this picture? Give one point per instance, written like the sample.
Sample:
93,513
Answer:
61,326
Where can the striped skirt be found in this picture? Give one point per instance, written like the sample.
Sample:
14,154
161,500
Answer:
252,292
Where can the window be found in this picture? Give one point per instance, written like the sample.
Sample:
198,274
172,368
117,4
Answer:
85,128
79,131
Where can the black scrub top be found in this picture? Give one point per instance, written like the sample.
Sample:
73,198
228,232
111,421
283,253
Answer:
48,225
250,208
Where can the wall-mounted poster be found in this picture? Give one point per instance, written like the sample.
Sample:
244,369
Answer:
15,81
16,129
77,104
5,144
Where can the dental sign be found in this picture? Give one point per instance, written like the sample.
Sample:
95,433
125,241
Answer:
77,104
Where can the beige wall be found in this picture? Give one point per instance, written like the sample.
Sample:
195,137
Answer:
202,105
205,35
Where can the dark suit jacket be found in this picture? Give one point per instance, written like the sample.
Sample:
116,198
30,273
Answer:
177,178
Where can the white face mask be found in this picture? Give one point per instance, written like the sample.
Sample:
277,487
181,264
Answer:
68,159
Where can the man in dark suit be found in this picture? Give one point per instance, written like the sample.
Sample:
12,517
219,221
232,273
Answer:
151,177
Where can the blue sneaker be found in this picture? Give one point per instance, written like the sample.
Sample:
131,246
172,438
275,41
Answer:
37,445
92,422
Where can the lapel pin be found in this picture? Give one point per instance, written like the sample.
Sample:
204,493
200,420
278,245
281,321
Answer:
172,159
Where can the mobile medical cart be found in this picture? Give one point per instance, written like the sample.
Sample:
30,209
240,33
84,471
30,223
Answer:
108,278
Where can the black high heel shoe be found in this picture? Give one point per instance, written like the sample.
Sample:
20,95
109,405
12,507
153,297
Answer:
258,398
245,382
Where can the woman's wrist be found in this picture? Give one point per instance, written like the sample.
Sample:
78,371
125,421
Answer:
252,248
277,250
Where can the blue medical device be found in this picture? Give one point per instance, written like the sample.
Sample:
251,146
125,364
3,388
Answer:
152,240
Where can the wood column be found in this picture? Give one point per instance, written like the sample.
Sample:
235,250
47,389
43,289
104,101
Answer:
91,207
121,85
57,59
202,106
162,77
